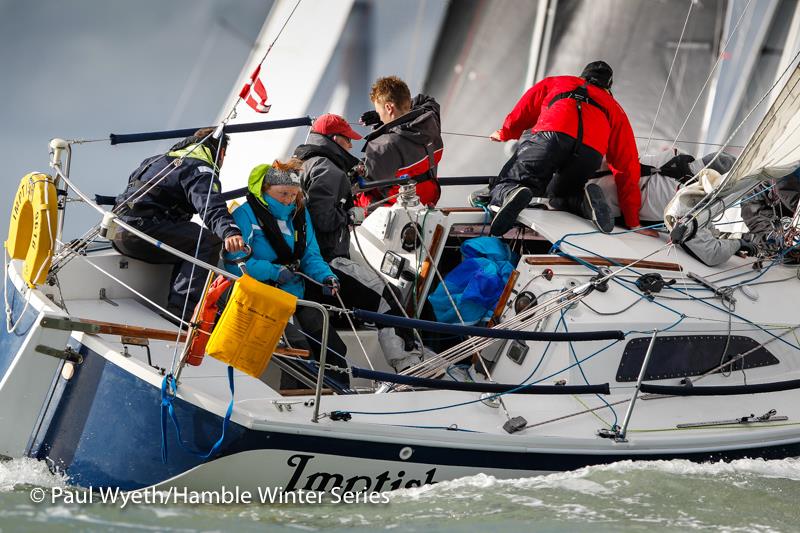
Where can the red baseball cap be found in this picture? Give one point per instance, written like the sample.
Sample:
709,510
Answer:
330,124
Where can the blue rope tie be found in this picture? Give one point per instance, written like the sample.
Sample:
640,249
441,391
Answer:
169,389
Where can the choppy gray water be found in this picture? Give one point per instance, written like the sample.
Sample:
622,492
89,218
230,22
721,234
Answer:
746,495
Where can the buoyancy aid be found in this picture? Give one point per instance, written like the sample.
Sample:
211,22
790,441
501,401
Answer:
290,257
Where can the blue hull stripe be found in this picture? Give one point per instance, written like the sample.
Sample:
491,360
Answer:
103,429
11,342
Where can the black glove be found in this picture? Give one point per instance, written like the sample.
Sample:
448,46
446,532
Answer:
285,276
748,248
356,174
330,286
370,118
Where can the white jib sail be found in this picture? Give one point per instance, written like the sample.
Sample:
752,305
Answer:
772,152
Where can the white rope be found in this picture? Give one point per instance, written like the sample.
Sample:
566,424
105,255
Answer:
669,74
10,326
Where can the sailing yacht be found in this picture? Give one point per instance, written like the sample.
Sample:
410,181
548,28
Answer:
604,347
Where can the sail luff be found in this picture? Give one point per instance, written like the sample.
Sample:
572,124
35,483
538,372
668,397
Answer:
765,156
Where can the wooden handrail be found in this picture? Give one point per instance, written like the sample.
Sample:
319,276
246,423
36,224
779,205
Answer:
98,327
427,263
501,303
597,261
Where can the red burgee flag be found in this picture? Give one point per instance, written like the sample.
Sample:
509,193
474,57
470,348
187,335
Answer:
254,93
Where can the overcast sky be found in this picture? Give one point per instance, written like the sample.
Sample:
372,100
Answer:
87,68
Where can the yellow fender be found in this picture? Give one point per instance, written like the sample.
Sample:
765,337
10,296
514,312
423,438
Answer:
33,226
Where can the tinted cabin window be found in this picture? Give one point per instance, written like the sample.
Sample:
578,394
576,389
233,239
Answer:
689,355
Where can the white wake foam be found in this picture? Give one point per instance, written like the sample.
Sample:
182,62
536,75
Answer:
26,471
576,480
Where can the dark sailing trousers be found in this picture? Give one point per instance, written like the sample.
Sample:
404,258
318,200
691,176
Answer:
549,165
180,235
355,293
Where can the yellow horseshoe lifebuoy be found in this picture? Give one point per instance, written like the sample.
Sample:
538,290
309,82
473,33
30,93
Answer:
33,226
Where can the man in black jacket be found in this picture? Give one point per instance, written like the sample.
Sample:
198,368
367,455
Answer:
407,141
326,163
161,199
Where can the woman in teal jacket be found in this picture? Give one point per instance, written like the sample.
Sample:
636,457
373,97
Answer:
278,229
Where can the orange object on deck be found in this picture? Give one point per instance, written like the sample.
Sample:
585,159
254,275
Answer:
205,316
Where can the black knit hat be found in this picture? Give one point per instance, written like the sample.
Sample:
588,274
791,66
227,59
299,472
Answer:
598,73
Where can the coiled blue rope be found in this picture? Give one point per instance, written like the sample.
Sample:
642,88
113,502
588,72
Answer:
169,389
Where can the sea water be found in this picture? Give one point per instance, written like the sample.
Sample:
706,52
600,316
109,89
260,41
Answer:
745,495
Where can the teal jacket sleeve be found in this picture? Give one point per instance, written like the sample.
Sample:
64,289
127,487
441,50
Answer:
312,263
258,267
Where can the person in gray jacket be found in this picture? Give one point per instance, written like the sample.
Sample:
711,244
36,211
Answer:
325,180
406,142
661,177
326,163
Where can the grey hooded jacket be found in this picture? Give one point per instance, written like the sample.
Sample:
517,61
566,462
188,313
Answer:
327,187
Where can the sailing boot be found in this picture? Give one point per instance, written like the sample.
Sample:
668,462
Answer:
596,209
480,197
515,201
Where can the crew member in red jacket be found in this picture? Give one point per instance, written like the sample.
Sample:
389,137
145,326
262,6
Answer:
573,122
